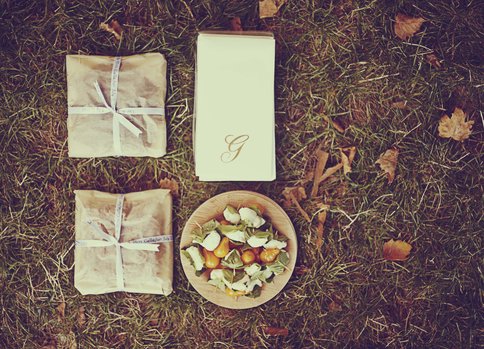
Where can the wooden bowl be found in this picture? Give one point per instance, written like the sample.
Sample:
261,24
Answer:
213,208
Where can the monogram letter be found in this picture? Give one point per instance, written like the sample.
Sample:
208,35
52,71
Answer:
234,146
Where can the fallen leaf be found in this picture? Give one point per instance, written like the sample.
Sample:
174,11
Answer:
294,195
330,171
337,125
347,160
334,123
322,157
301,270
388,163
455,127
406,26
334,306
433,61
276,331
113,27
81,316
170,184
320,228
66,341
236,24
400,105
396,250
61,311
269,8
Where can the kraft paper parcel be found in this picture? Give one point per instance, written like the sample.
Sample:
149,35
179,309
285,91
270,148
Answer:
123,242
116,105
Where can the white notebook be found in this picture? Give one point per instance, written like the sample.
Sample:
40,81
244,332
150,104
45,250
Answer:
234,136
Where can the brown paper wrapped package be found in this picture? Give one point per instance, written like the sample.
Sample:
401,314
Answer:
145,214
142,83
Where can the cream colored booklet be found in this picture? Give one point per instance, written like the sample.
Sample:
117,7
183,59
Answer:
234,107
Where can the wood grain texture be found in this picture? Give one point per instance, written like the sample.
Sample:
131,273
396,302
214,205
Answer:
214,207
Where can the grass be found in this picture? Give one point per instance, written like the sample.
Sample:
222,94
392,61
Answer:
336,60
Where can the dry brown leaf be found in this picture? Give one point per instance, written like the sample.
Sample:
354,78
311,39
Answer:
66,341
406,26
347,160
81,316
338,127
170,184
334,306
320,229
433,61
396,250
236,24
276,331
294,195
61,311
269,8
318,171
330,171
388,163
400,105
113,27
301,270
455,127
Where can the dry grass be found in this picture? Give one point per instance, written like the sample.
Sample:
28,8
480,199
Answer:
336,61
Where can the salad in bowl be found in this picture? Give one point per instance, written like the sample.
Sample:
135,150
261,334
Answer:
239,251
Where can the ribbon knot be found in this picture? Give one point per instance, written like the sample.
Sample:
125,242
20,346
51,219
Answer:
143,244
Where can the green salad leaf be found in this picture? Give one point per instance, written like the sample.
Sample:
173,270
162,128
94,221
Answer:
217,283
255,292
279,265
232,277
199,234
232,260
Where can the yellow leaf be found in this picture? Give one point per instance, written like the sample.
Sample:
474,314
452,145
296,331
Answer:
61,311
236,24
388,163
433,61
406,26
321,220
335,306
293,195
346,160
269,8
81,316
170,184
400,105
455,127
330,171
276,331
396,250
318,172
114,28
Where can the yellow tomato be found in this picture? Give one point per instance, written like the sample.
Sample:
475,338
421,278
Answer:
211,260
269,255
248,257
232,293
259,207
223,248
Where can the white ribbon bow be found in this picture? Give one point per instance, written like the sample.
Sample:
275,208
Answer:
118,117
144,244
